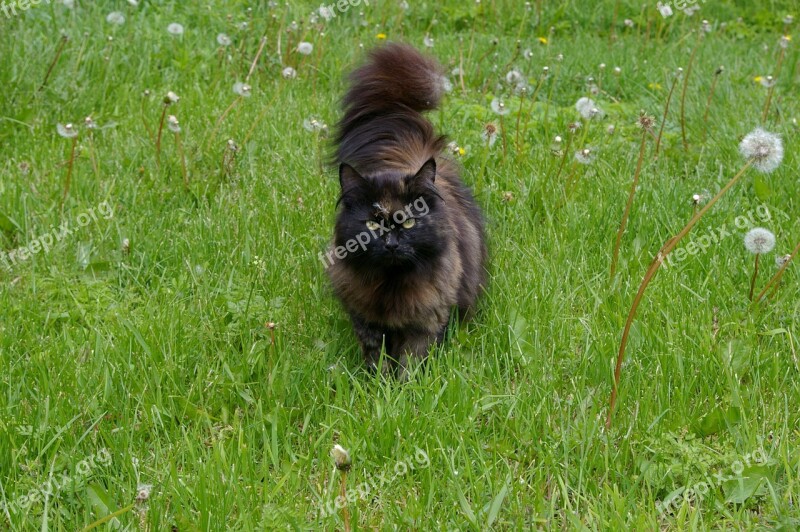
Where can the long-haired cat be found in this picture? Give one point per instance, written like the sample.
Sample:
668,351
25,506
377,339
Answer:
409,240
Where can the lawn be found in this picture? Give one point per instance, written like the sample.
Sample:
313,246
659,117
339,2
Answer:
171,353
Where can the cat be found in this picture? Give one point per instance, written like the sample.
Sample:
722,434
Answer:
409,242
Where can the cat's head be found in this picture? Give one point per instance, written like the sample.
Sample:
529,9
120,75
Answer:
389,221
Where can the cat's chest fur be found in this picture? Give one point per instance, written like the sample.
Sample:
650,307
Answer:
412,299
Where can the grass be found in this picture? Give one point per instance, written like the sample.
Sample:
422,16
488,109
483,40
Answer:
151,363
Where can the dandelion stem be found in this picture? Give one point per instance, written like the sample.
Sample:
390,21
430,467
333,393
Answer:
60,49
255,60
158,137
666,111
343,495
564,157
70,164
765,113
753,280
182,155
219,121
503,132
685,87
628,205
708,101
777,277
665,250
146,124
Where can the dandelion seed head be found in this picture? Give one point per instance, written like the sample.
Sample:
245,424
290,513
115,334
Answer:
788,19
134,3
767,81
428,41
89,122
763,148
645,121
560,57
584,156
125,246
305,48
587,108
513,76
558,139
289,73
759,240
781,260
665,10
602,66
489,134
67,131
224,40
611,129
116,18
341,458
499,107
705,26
527,54
617,71
242,89
784,42
232,145
143,492
173,124
175,29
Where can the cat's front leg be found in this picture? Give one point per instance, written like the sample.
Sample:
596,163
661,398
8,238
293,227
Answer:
371,338
413,350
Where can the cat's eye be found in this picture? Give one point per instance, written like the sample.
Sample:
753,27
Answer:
409,223
372,226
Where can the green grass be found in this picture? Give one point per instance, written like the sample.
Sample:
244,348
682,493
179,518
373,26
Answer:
153,365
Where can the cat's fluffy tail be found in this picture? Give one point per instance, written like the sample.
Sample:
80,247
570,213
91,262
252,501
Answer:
382,109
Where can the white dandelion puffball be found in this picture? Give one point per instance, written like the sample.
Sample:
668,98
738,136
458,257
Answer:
665,10
115,17
175,28
489,134
305,48
67,131
173,124
428,41
69,4
765,149
446,85
242,89
500,107
759,240
587,108
223,40
289,73
134,3
326,13
513,77
584,156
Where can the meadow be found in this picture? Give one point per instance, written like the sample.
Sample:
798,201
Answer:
171,354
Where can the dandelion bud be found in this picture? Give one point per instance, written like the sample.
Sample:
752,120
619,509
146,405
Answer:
171,98
232,145
341,458
126,246
719,70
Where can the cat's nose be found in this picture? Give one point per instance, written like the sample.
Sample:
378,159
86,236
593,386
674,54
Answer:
391,242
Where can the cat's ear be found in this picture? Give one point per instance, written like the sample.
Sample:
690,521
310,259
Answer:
426,175
349,179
